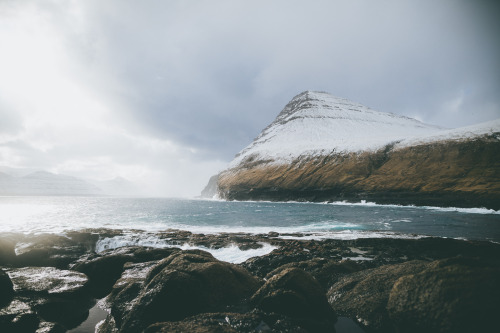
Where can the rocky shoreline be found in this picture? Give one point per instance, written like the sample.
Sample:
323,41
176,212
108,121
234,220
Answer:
48,283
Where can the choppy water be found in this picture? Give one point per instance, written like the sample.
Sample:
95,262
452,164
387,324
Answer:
334,220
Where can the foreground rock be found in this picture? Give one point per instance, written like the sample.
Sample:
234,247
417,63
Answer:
105,268
6,289
42,295
295,293
187,283
386,285
48,250
451,295
364,295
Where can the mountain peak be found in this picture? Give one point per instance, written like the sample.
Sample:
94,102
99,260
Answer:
318,123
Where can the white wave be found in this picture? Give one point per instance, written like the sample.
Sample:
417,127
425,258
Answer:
465,210
352,234
364,203
479,210
231,253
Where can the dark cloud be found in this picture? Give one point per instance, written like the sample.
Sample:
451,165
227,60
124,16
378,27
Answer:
210,75
213,74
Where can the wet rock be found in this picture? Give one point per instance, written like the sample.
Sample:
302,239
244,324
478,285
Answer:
190,326
6,289
69,313
255,321
363,296
88,239
127,288
187,283
107,326
54,295
47,250
451,295
46,327
7,250
105,269
326,272
291,252
18,317
296,294
48,281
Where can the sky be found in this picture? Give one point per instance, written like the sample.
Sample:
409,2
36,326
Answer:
165,93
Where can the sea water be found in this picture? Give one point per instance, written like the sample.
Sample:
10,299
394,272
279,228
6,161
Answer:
338,220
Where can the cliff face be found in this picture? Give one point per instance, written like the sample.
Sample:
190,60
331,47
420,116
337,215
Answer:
430,166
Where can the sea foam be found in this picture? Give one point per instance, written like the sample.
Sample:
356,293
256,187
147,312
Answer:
231,253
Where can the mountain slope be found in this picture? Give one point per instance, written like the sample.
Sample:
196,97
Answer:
323,148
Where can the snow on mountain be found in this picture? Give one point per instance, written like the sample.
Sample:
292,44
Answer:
317,123
325,148
456,134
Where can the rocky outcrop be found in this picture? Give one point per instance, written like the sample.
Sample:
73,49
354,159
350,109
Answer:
295,293
188,283
47,298
465,174
364,295
451,295
210,190
445,168
385,285
6,289
105,269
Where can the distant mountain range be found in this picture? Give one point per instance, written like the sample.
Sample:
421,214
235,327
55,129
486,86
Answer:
46,183
325,148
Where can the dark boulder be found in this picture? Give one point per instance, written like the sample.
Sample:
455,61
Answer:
296,294
228,322
363,296
47,327
451,295
326,272
18,316
105,268
6,289
187,283
127,288
103,271
7,251
47,250
53,295
48,281
292,252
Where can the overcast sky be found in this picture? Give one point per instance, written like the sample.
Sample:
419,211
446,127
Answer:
165,93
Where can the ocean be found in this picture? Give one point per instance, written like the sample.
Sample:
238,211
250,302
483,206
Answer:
338,220
141,219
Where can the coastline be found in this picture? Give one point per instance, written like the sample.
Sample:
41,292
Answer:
268,287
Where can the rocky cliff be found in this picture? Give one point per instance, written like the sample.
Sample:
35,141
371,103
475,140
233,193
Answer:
323,148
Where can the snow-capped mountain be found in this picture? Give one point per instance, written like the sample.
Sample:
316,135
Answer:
317,123
324,148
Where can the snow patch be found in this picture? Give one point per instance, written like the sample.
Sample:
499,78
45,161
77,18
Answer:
318,124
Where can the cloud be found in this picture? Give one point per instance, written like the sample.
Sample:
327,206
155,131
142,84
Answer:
166,92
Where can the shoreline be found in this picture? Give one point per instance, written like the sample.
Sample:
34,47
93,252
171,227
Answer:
334,271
